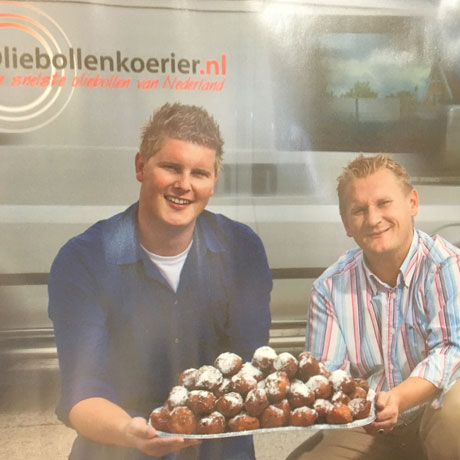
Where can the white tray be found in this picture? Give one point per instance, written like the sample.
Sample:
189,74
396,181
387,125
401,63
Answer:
315,426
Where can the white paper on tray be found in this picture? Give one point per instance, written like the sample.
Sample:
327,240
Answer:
314,427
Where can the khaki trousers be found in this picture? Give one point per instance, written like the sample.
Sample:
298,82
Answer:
435,435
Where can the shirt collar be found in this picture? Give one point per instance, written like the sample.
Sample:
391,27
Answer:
127,246
406,271
128,249
203,229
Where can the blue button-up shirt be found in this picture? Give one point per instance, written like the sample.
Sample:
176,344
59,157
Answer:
123,334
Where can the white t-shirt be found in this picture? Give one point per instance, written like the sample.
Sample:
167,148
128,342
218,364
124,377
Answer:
170,266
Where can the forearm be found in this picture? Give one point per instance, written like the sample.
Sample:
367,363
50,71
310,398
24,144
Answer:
390,404
413,392
101,420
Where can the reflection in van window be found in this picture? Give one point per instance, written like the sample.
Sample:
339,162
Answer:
376,92
381,93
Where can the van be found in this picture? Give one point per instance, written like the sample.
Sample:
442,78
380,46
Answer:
299,89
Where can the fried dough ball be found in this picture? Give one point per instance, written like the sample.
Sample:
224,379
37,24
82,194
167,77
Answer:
323,370
285,407
308,366
228,363
208,378
300,395
243,383
341,381
159,418
251,370
340,396
362,383
277,386
230,404
287,363
224,387
187,378
201,401
359,393
360,408
182,421
340,413
271,391
177,397
320,385
264,358
303,416
256,402
261,385
273,417
213,423
243,422
322,407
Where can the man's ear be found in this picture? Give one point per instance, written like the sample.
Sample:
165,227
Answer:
139,164
347,229
413,202
216,176
345,225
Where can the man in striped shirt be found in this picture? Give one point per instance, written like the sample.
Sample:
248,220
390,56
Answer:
389,311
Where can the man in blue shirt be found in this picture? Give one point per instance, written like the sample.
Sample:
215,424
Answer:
162,287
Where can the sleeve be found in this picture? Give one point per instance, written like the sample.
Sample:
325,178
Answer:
249,309
80,329
442,304
323,335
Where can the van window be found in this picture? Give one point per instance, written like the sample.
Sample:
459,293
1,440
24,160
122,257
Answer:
372,84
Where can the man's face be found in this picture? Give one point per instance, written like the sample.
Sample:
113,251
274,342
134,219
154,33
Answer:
378,213
177,182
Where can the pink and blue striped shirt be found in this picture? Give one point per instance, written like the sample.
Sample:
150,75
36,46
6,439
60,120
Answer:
387,334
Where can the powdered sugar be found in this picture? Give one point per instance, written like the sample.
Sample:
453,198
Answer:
212,418
177,396
276,411
255,395
233,399
276,382
323,404
251,370
304,410
314,383
264,357
228,363
202,394
337,377
208,377
188,377
299,388
283,359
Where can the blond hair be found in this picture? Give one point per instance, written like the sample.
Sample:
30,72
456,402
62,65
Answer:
363,166
187,123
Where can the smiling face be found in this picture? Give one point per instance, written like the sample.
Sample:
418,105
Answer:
176,184
378,214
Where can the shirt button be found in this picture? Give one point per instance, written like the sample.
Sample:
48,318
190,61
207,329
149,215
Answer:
176,340
175,302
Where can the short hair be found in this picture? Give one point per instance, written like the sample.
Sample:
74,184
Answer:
185,123
363,166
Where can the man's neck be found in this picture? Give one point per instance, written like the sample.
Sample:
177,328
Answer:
386,266
386,271
164,240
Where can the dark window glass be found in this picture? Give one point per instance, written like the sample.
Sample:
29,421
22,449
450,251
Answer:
373,84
